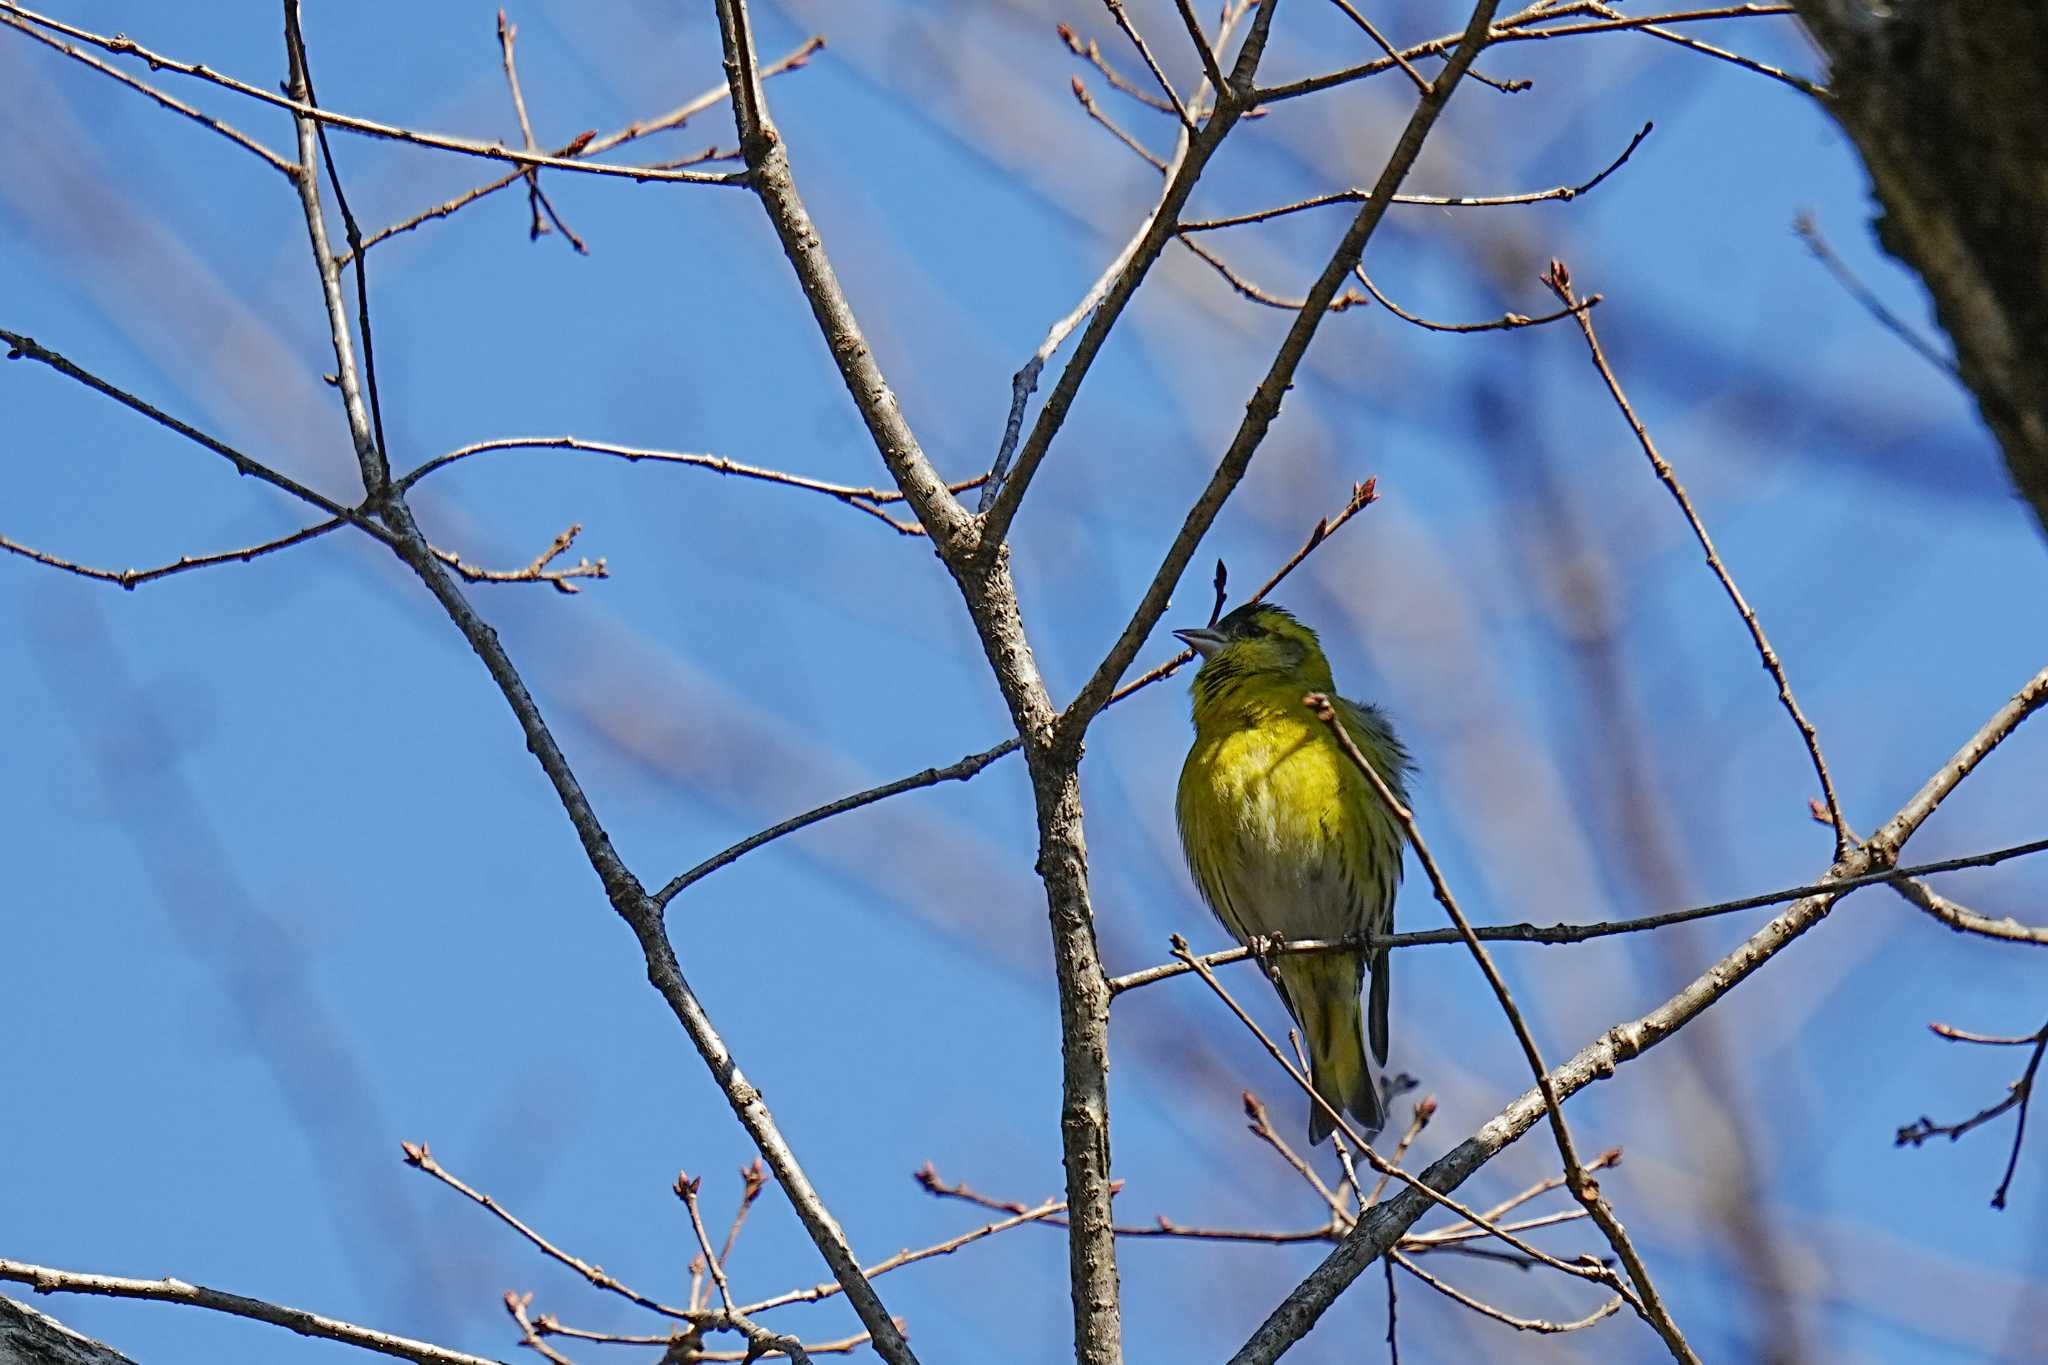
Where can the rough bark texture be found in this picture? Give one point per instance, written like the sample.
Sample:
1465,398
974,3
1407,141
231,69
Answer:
28,1337
1948,105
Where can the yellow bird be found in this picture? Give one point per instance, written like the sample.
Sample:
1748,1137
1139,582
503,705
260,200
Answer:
1285,836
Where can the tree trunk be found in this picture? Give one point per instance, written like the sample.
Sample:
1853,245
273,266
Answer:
1948,105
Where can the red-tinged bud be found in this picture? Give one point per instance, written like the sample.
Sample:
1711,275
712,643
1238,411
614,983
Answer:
1425,1109
1080,90
416,1153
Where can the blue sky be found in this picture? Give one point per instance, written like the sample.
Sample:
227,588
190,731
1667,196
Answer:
287,890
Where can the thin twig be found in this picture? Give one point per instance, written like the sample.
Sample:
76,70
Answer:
1424,1111
1578,933
1504,323
1647,1300
960,771
1087,102
1091,53
1422,86
768,175
1520,28
1160,1227
1564,193
843,1346
1964,920
1617,1046
1374,1159
1262,1128
1206,51
365,420
1961,1035
590,144
686,1190
124,46
1393,1340
868,500
2019,1095
1042,1213
537,571
1541,1325
1106,299
1559,280
547,1324
1363,495
529,1333
507,32
48,1280
1453,1237
1123,21
135,578
175,105
752,1177
1264,405
21,347
760,1340
1809,233
1610,1157
418,1156
1705,49
1349,299
537,201
938,511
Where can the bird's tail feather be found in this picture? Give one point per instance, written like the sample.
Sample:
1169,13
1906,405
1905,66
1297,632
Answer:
1377,1003
1323,991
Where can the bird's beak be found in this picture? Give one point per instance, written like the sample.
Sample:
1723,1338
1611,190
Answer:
1204,642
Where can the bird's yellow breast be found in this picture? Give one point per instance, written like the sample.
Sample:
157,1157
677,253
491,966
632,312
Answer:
1284,773
1278,824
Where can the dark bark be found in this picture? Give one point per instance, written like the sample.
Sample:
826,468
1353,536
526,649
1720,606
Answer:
1948,106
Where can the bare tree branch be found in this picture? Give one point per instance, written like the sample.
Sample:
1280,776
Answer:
1538,1325
1559,280
1362,496
588,144
623,890
1579,933
1520,28
175,105
2019,1095
135,578
48,1280
1105,300
21,347
1123,21
1594,1272
1647,1300
490,151
1264,406
1380,1228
